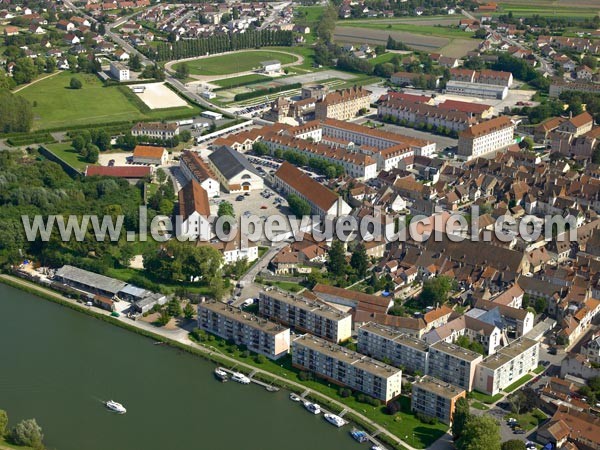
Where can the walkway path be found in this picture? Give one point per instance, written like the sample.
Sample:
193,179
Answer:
181,336
20,88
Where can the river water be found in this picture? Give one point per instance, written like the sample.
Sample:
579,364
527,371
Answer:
58,365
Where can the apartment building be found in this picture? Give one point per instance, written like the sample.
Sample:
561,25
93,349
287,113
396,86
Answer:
453,364
259,335
357,165
194,168
346,368
156,130
119,71
509,364
323,202
435,398
343,104
419,113
306,315
486,137
388,149
402,350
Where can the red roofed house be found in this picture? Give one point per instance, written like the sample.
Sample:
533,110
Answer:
194,211
147,154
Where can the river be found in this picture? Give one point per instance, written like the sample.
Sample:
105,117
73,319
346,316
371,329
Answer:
58,365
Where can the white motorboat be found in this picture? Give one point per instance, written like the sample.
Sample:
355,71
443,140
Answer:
335,420
240,378
312,407
116,407
294,397
221,374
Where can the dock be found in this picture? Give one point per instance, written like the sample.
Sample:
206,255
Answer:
267,386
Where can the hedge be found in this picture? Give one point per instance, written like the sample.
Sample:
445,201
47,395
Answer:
31,138
260,92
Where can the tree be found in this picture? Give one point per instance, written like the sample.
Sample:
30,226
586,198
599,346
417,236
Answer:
298,206
102,140
135,63
28,433
260,148
75,83
185,136
360,260
174,308
3,422
480,433
24,70
182,71
188,311
92,152
513,444
336,259
163,318
16,114
436,290
78,143
460,417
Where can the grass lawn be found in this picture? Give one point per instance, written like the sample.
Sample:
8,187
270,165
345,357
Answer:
484,397
403,424
68,154
479,405
530,420
429,30
539,369
240,81
310,14
128,274
235,62
287,285
57,106
520,382
386,57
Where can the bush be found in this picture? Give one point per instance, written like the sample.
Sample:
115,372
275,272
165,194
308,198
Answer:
260,359
305,376
345,392
362,398
75,83
392,408
426,419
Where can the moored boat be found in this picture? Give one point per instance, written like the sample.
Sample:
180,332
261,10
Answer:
221,374
240,378
359,435
115,407
294,397
312,407
335,420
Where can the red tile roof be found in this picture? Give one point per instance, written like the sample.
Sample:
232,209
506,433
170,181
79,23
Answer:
305,185
118,171
148,151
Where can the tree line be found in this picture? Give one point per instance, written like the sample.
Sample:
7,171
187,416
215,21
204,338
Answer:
26,433
219,43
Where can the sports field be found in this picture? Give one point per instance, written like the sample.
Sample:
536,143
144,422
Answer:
55,105
235,62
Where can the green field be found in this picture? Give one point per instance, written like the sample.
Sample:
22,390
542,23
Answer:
235,62
68,154
520,382
310,14
428,30
549,8
240,81
58,106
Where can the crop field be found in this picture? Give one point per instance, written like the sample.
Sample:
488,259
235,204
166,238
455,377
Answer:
449,41
235,62
57,106
550,8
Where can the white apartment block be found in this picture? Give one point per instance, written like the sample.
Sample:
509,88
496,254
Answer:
453,364
386,344
304,315
486,137
435,398
347,368
119,71
509,364
259,335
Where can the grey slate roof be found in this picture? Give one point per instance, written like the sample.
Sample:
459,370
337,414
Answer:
230,162
91,279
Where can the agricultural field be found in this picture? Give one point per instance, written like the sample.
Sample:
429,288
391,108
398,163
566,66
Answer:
235,62
449,41
550,8
56,106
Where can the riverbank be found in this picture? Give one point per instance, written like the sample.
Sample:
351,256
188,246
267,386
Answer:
180,340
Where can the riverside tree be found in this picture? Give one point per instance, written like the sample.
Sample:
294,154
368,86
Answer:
3,422
28,433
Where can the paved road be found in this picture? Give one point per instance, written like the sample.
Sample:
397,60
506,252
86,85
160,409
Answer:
181,336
